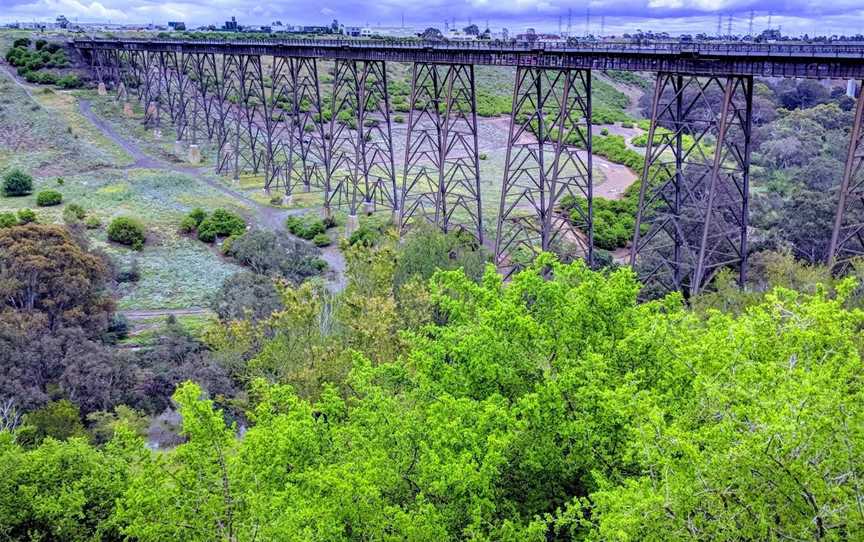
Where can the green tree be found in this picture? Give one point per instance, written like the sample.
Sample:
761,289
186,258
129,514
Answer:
17,183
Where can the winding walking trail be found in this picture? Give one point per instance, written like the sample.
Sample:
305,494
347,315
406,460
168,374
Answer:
263,216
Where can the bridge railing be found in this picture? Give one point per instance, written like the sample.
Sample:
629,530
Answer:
651,48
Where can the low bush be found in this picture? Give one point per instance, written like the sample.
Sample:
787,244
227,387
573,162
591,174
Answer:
322,240
220,223
246,295
130,274
276,200
26,216
198,215
17,183
366,235
127,231
49,198
276,254
305,227
8,219
188,225
92,223
74,213
69,82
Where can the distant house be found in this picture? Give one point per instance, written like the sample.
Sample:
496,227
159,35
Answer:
176,25
353,31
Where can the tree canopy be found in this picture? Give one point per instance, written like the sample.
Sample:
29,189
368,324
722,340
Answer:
552,407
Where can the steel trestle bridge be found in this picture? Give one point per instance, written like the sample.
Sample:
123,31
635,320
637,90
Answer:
262,104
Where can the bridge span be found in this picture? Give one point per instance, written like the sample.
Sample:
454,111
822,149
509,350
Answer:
266,109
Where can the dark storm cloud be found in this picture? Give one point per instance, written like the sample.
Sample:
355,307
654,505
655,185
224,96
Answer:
815,15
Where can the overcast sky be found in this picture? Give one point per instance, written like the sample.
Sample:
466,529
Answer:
616,16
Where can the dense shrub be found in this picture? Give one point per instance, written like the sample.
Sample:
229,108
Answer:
127,231
76,211
197,215
220,223
269,253
188,224
130,274
306,226
92,223
48,198
17,183
26,216
246,295
366,235
8,219
322,240
69,82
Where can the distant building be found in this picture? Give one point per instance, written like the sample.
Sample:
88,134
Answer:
176,25
62,22
457,35
231,26
353,31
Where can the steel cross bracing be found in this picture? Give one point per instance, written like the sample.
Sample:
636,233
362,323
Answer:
548,158
847,239
361,169
693,201
441,181
266,114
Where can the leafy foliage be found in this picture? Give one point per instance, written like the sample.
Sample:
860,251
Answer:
127,231
269,253
17,183
554,407
48,198
220,223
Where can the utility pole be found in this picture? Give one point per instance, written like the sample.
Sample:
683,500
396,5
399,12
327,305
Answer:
719,25
588,20
750,29
560,28
569,22
602,25
729,27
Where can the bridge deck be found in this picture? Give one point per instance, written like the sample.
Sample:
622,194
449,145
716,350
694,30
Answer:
819,61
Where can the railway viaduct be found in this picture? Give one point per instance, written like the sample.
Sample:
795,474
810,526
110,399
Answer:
263,105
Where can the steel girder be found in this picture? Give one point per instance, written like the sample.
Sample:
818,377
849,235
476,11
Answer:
360,169
694,197
441,181
847,238
548,158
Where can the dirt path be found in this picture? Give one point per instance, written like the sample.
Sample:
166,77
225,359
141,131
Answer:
14,77
157,313
263,216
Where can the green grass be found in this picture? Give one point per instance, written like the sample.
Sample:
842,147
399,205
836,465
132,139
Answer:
177,273
42,135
